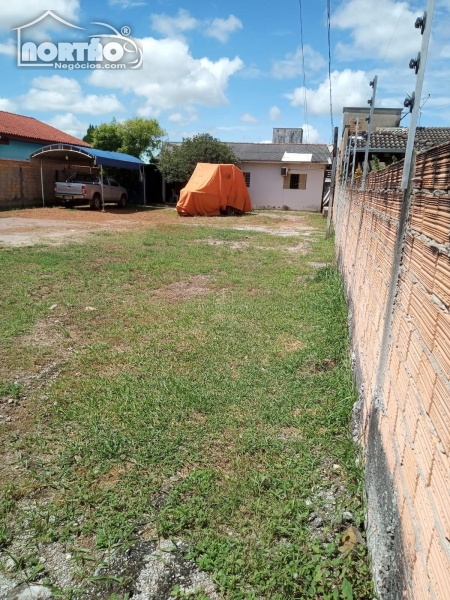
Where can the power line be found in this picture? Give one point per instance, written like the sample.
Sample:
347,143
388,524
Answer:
329,61
305,101
438,106
392,36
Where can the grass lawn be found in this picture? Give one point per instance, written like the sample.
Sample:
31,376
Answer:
193,382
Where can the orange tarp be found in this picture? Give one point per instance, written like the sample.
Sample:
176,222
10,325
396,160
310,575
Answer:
211,189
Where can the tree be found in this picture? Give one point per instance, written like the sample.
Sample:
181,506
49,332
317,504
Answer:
107,137
177,163
89,137
138,136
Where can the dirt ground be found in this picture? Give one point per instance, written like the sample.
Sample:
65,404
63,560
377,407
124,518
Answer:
56,226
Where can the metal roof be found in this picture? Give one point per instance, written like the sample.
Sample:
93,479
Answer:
393,138
254,152
80,155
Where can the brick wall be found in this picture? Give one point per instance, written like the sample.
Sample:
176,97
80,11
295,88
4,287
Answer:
394,253
20,183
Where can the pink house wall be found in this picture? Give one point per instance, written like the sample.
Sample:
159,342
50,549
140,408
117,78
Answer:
266,186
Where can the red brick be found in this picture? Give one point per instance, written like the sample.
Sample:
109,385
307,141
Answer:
408,533
400,433
424,444
424,514
442,342
440,489
409,471
412,412
440,413
426,380
414,356
439,568
420,580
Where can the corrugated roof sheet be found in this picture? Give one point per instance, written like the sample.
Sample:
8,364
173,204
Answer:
247,151
32,129
395,139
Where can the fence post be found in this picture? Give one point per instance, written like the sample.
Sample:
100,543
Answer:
333,182
393,286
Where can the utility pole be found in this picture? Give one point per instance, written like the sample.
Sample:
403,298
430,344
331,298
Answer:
413,102
333,181
369,129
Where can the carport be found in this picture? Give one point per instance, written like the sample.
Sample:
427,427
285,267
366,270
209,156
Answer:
80,156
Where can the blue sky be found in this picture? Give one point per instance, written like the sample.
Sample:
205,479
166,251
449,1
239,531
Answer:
232,69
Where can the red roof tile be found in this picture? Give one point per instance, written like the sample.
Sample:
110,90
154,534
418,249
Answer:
32,129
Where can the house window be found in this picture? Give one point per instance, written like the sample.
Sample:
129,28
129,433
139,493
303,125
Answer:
297,181
247,178
293,183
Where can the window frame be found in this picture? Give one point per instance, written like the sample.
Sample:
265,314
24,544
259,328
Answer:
247,177
302,179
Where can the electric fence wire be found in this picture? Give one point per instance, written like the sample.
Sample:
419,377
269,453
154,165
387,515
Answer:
329,63
305,100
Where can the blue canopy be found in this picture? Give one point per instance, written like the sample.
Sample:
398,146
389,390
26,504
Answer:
80,155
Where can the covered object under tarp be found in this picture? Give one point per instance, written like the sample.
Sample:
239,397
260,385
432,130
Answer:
212,189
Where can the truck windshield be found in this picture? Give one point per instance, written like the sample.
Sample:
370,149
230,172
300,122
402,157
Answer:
83,178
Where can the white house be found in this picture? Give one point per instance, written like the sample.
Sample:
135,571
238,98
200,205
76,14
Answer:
284,174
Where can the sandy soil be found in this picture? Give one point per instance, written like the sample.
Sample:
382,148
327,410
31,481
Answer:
57,226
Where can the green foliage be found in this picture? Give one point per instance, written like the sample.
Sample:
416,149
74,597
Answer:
177,163
89,137
394,159
9,389
376,165
138,137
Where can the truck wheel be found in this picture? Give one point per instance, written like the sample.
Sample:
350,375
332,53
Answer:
122,202
96,202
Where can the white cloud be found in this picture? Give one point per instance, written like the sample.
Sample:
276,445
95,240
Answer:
174,27
126,3
291,65
70,124
382,29
9,48
248,118
350,88
274,113
20,12
232,128
55,92
188,117
171,77
221,29
311,135
251,72
8,105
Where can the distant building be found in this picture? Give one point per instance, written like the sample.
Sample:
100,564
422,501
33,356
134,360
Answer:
287,135
387,139
20,136
20,180
284,175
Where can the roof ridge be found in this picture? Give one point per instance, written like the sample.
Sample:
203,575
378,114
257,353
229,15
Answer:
7,112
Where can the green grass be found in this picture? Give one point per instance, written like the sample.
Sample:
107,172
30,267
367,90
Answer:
236,402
